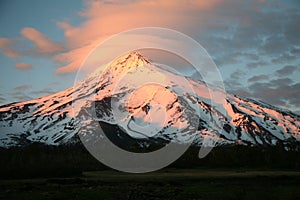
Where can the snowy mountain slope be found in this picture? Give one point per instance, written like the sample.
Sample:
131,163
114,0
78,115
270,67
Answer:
145,102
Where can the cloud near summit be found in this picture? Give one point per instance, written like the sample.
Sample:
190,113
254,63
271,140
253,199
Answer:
105,18
258,37
221,26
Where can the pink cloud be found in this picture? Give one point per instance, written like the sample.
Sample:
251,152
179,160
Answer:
41,41
72,58
23,66
7,47
105,19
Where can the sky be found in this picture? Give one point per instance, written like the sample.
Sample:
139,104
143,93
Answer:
255,43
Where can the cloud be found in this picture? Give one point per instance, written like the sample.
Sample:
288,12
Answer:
54,83
279,92
287,70
22,87
23,66
19,47
74,58
258,78
237,74
8,49
280,82
237,34
20,96
43,44
252,65
42,92
256,64
241,33
234,80
293,31
284,58
295,51
2,100
275,44
103,19
243,92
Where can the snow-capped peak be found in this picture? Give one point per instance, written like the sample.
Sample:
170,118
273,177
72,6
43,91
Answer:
177,111
127,62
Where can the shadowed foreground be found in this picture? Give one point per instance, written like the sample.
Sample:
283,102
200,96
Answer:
70,172
166,184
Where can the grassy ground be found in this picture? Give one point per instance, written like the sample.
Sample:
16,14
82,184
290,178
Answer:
70,172
167,184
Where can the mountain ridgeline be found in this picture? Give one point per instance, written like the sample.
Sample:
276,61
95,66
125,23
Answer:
177,108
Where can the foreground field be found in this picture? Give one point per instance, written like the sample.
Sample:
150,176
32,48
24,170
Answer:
166,184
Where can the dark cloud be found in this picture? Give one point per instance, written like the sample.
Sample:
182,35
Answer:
20,96
295,51
295,102
265,30
297,112
293,30
237,74
234,80
287,70
256,64
280,82
235,33
254,29
45,91
22,87
275,44
243,92
279,92
230,58
284,58
2,100
258,78
282,92
231,85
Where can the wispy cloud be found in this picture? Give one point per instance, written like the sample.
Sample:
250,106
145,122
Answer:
44,91
287,70
42,43
226,28
280,92
19,96
22,87
104,19
7,46
23,66
258,78
241,36
2,100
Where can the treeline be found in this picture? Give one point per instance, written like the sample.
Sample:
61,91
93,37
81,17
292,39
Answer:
243,157
37,160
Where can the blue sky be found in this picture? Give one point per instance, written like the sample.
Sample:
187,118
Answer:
19,85
255,43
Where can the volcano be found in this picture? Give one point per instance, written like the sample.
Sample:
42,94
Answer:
137,99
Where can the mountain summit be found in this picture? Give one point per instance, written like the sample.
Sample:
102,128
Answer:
148,103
